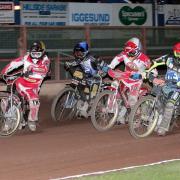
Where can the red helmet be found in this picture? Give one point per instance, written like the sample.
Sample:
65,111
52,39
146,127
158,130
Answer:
133,47
176,50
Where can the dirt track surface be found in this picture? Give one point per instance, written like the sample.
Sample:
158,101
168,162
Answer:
76,148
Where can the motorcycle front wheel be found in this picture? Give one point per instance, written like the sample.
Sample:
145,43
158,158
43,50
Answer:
64,105
143,117
104,111
10,116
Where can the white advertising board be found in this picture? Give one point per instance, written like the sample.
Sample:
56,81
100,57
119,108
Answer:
131,14
172,15
90,13
44,13
6,12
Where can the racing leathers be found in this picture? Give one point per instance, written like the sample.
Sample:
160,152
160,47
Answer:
170,87
136,66
28,85
89,65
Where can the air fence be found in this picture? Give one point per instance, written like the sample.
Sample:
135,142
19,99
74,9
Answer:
104,41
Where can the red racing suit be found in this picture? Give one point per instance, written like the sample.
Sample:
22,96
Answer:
29,86
136,66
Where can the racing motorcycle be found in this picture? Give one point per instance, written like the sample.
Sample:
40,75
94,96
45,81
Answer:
113,100
76,98
147,114
14,108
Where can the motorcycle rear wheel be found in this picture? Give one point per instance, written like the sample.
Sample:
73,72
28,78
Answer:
59,109
102,117
10,116
143,117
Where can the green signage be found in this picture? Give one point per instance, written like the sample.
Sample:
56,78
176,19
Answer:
127,15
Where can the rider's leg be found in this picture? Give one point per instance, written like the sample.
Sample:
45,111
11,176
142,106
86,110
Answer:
30,91
34,105
168,113
132,94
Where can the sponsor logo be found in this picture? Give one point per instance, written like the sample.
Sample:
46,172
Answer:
173,17
127,15
44,7
5,6
91,18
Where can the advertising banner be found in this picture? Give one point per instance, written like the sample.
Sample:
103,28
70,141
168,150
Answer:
90,13
172,15
44,13
132,14
6,12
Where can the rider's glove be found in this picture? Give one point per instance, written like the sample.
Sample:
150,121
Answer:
144,75
27,73
159,82
136,76
67,65
105,69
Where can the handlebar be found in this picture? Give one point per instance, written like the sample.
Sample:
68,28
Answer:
11,77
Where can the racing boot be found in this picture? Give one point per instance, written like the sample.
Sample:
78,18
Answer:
121,119
32,125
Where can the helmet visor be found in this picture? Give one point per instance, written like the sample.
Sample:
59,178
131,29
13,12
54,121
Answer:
177,54
36,55
130,52
78,54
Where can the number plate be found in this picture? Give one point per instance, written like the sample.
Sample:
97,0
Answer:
78,74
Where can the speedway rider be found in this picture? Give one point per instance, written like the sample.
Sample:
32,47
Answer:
171,82
87,62
135,62
35,68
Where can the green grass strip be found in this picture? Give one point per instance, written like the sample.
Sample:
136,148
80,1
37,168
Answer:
164,171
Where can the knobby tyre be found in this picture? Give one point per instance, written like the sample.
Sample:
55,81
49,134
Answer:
143,117
10,115
64,105
104,111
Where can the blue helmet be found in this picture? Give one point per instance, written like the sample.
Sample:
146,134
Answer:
81,50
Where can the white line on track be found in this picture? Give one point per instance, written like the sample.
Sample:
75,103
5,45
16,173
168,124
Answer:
114,170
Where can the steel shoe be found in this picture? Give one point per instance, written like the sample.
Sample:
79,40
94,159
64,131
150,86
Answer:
32,125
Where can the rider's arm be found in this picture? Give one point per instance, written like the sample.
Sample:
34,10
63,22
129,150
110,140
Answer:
74,63
160,61
117,59
156,62
13,65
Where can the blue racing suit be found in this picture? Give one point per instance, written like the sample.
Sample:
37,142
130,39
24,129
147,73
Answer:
170,91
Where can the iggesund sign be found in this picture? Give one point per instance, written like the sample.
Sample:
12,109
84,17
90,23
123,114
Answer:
89,13
132,15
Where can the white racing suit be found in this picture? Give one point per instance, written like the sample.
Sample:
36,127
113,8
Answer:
141,62
29,86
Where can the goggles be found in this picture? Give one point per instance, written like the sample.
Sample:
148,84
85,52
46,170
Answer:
36,55
132,53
